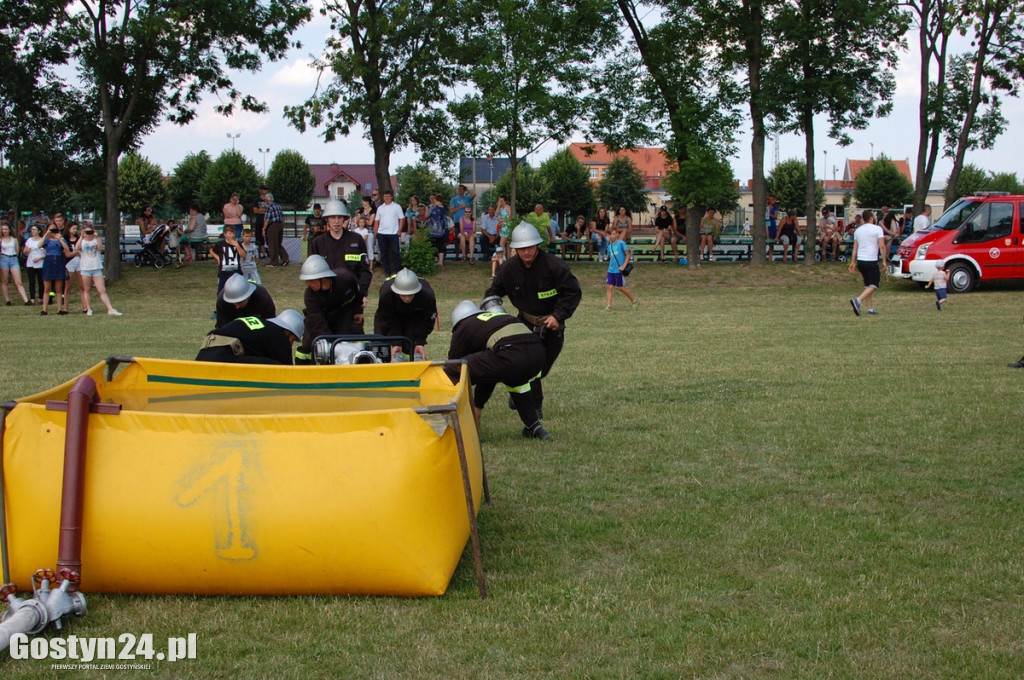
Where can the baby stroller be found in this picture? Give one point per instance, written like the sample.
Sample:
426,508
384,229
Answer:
152,252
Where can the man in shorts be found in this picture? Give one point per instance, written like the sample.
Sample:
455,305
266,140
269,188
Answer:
868,243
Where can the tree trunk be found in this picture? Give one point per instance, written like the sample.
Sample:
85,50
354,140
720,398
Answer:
963,139
811,234
760,193
932,45
381,157
513,180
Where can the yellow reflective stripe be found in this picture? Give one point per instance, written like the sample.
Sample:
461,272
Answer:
253,322
302,355
350,257
544,294
520,389
487,316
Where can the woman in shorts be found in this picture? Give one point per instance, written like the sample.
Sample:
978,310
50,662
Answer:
90,249
10,268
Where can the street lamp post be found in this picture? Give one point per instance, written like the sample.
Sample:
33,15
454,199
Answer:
264,152
233,137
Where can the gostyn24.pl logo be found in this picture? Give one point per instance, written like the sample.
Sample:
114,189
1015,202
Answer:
126,647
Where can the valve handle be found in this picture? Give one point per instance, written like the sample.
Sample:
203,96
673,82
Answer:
43,574
7,590
70,575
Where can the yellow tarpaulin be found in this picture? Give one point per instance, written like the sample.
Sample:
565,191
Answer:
244,479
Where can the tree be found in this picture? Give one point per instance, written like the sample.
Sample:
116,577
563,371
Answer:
230,173
1006,181
703,181
787,183
953,88
532,189
685,97
184,186
972,115
390,65
141,184
834,57
142,61
529,63
570,190
291,180
420,181
623,184
970,180
43,163
881,183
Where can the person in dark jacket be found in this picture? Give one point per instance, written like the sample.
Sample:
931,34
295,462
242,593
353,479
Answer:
252,340
406,306
544,291
342,247
497,348
242,297
333,304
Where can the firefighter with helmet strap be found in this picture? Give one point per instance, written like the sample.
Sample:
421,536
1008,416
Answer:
252,340
342,247
497,348
333,304
242,297
406,306
545,292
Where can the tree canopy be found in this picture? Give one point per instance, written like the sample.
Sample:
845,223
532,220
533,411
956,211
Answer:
185,184
623,184
881,183
290,179
230,173
387,65
141,184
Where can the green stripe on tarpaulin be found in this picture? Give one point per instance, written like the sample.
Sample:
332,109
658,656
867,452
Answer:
206,382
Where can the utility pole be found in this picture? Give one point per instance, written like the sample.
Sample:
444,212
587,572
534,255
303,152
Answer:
233,137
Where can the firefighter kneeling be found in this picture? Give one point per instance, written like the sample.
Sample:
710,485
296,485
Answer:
498,349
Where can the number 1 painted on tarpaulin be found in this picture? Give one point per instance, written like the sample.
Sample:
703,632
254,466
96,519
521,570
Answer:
229,474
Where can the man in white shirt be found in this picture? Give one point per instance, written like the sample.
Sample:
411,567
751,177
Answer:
868,243
386,225
924,220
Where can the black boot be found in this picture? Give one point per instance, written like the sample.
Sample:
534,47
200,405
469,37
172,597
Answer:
536,431
1017,364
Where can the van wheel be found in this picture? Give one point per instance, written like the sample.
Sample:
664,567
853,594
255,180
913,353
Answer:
962,278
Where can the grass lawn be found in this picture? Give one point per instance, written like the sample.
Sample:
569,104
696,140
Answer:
745,481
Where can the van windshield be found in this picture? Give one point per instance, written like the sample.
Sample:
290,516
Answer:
957,214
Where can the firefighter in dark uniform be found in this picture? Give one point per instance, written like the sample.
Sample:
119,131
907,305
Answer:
333,304
498,348
252,340
544,291
242,297
343,248
406,306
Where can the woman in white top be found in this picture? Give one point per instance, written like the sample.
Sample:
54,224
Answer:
90,249
34,255
9,265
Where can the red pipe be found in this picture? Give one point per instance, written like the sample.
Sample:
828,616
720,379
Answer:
69,551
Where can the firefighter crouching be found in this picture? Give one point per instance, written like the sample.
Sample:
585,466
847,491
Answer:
498,348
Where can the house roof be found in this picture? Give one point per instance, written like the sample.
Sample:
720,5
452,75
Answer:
854,168
360,175
651,160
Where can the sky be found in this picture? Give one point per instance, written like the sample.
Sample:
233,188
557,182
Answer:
292,81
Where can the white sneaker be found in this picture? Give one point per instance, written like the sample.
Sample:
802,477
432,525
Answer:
114,312
89,313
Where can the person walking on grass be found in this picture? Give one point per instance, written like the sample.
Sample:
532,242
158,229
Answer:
868,244
618,257
939,280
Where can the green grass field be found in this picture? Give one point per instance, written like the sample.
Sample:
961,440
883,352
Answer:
745,481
